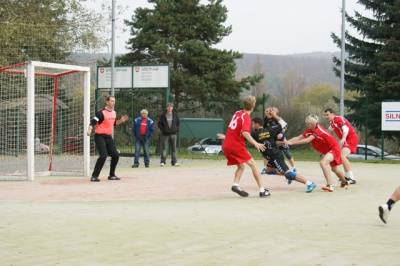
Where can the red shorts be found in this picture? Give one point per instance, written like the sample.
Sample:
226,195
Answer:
236,155
337,157
351,143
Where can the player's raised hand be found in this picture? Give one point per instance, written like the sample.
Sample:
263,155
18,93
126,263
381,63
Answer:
259,146
124,118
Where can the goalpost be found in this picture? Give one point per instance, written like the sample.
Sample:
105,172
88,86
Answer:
44,115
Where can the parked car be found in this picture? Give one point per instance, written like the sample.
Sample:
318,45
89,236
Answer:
207,146
373,153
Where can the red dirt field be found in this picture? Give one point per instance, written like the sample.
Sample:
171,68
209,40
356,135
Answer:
193,179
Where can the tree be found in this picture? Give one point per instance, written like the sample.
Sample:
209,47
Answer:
261,87
46,30
292,86
183,34
317,98
373,65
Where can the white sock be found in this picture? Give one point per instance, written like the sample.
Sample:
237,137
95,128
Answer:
236,185
308,182
349,174
262,189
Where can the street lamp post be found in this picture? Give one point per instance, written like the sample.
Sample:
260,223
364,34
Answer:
112,46
342,58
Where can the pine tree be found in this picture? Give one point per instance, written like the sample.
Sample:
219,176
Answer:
373,64
183,34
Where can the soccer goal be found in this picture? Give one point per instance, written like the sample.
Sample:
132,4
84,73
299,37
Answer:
44,113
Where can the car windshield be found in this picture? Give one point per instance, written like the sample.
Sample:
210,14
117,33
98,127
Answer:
377,150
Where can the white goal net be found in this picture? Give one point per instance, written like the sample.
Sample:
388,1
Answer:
44,112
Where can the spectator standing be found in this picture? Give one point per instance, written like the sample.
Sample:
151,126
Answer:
168,124
143,128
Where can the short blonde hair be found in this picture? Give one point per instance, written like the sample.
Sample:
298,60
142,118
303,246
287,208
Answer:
144,111
249,103
312,119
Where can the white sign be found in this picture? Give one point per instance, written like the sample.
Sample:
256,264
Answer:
122,77
150,77
390,116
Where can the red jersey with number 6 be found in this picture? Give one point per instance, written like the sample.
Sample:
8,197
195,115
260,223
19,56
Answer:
234,146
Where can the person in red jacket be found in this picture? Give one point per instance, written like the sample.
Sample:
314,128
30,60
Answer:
323,142
105,120
348,139
234,147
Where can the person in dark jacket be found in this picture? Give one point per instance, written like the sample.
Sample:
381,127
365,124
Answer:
143,128
168,124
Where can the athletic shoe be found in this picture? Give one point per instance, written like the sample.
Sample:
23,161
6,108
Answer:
239,191
351,181
162,164
113,178
310,187
94,179
146,165
175,164
383,212
265,194
327,188
264,171
136,165
344,184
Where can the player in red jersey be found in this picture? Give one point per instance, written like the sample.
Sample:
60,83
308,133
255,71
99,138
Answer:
348,139
323,142
234,147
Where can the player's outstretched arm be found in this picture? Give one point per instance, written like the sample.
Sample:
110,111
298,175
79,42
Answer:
122,120
300,140
249,138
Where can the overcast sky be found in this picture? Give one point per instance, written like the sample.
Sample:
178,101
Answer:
266,26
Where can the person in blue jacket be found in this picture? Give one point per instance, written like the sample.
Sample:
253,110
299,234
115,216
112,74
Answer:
143,128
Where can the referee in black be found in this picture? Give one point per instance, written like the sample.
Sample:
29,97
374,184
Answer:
105,120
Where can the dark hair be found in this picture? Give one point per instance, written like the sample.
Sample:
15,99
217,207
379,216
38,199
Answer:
109,97
329,110
257,120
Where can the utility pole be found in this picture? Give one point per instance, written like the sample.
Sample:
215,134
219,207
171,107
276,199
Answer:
342,58
112,46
